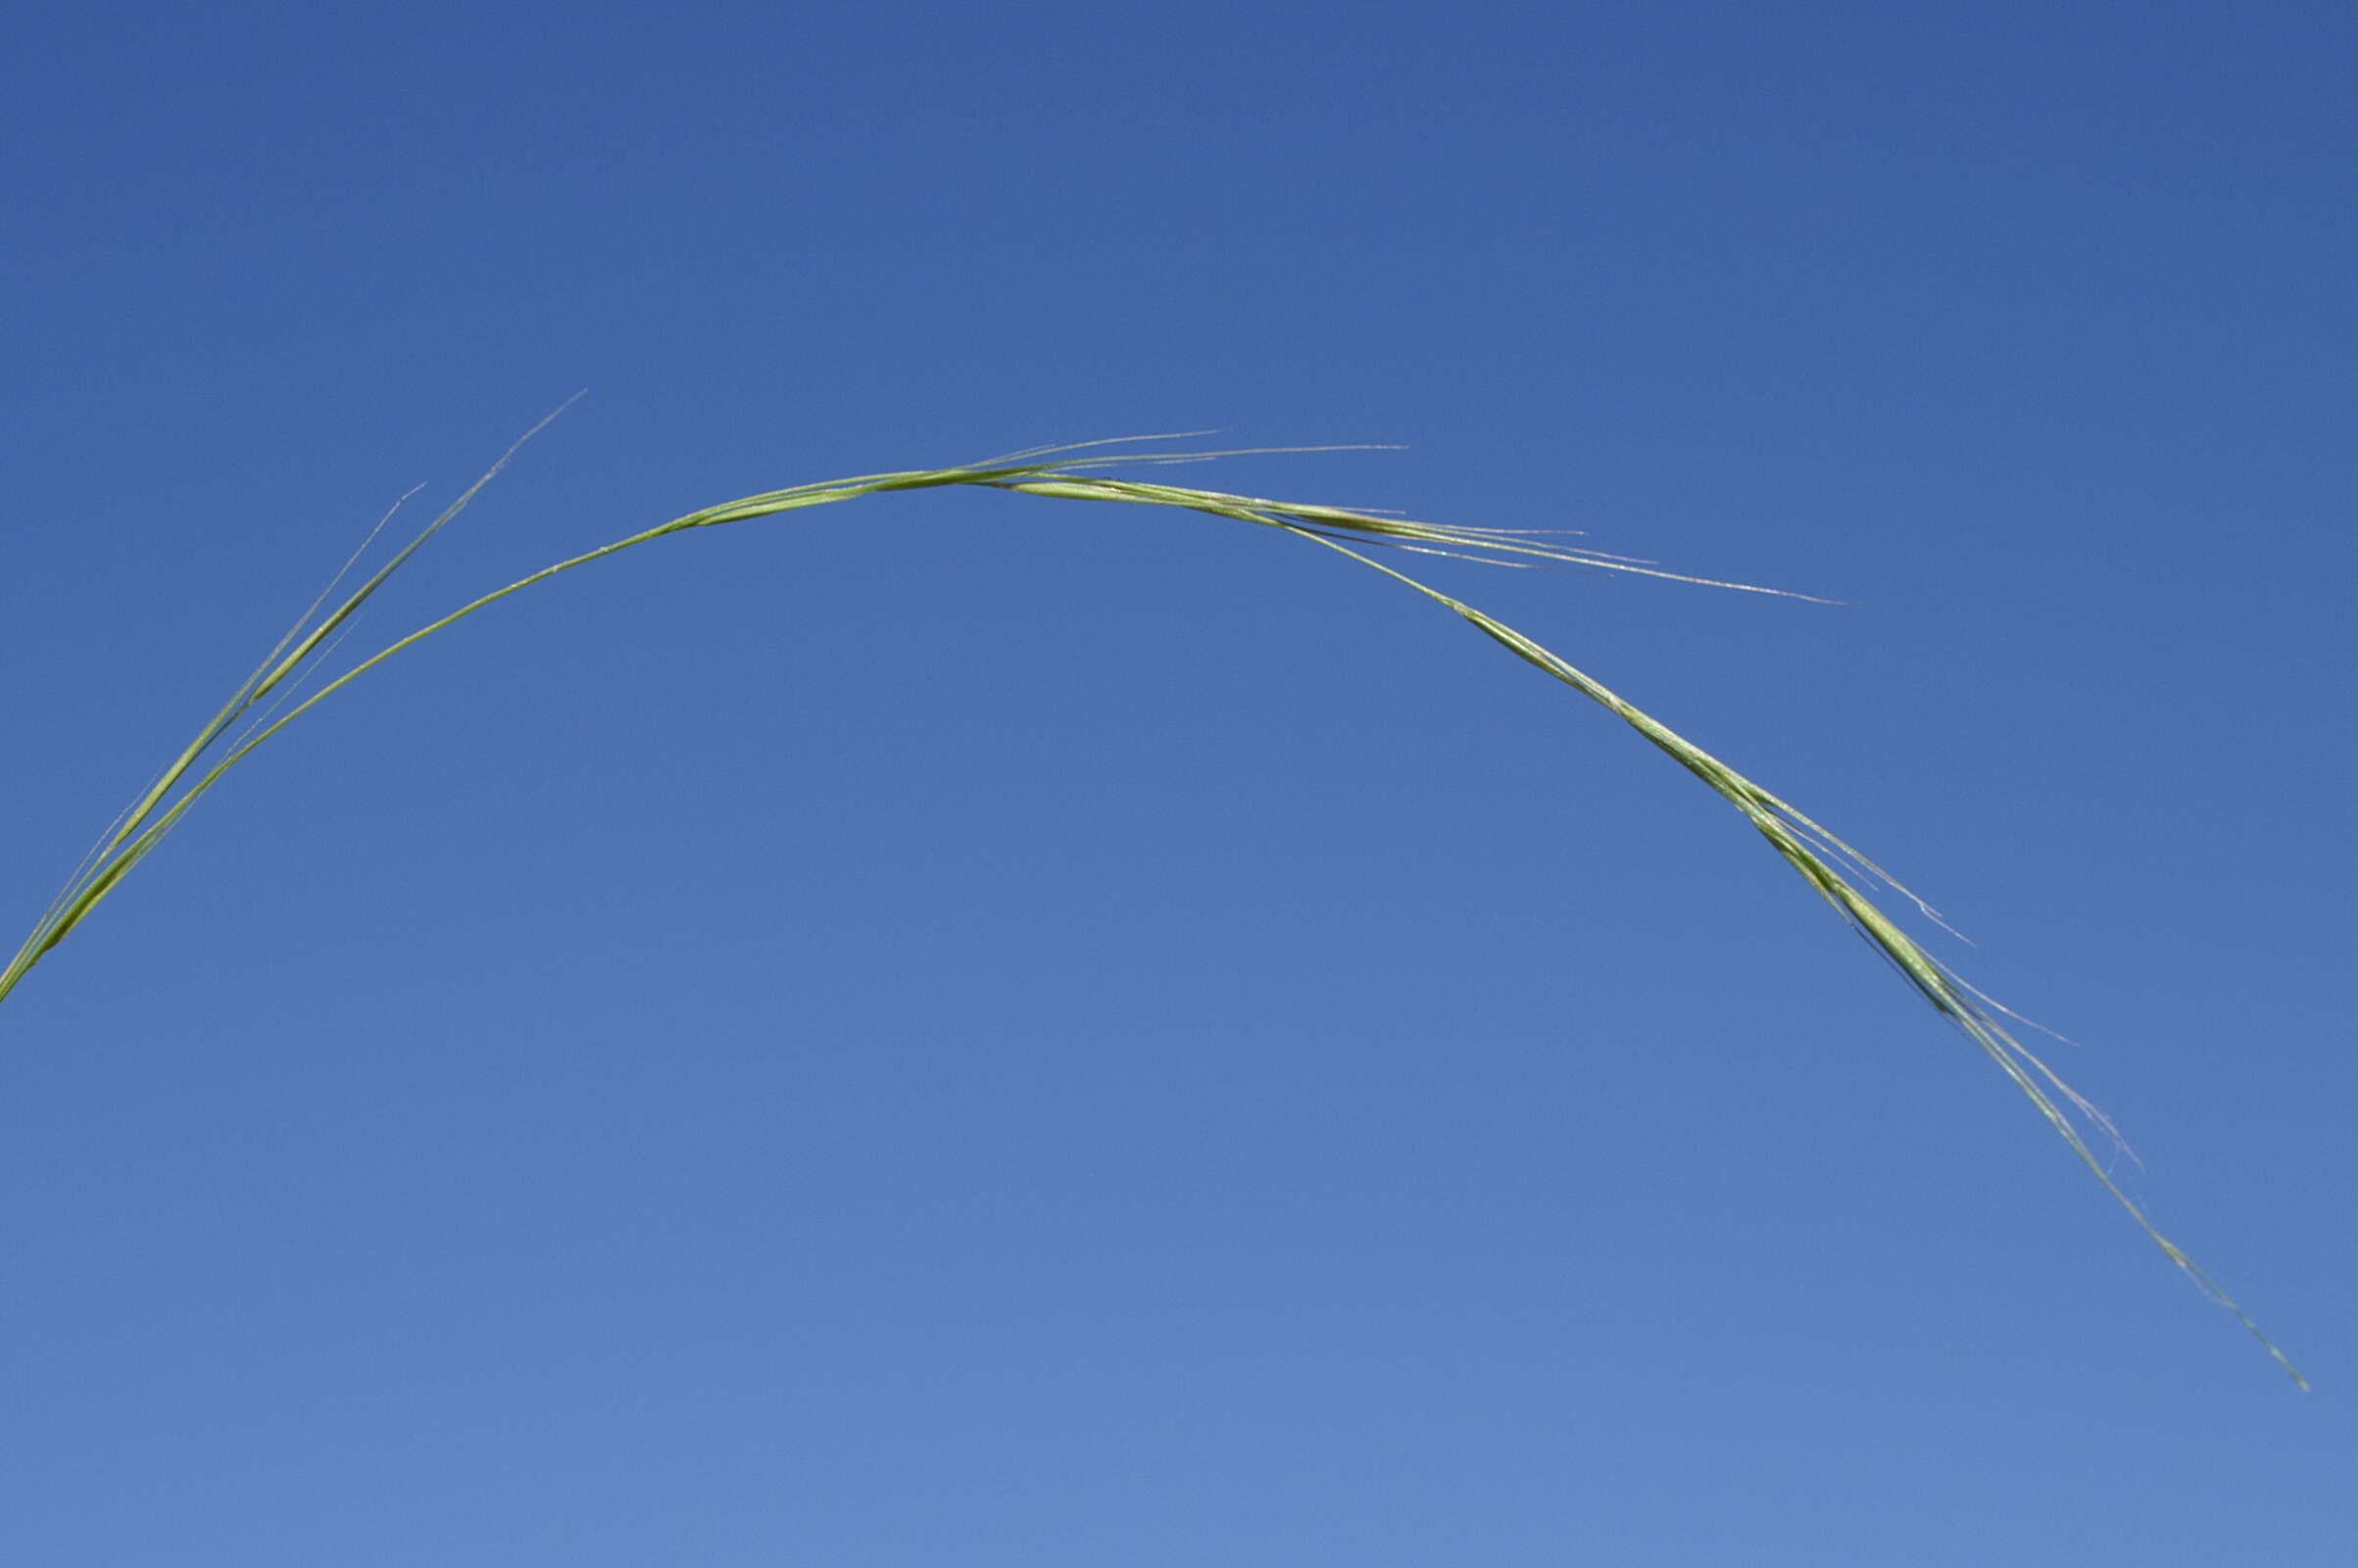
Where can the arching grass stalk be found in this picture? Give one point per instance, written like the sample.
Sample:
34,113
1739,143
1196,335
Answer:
1832,868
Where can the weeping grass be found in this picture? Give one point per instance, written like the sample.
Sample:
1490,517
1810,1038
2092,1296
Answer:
270,699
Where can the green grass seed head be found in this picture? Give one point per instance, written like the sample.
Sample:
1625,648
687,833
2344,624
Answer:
1833,870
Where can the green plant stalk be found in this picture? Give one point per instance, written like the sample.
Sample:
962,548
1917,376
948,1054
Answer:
1832,868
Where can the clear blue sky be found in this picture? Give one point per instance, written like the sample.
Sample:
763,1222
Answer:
966,1031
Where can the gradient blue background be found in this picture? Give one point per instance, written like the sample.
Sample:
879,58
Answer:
969,1031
